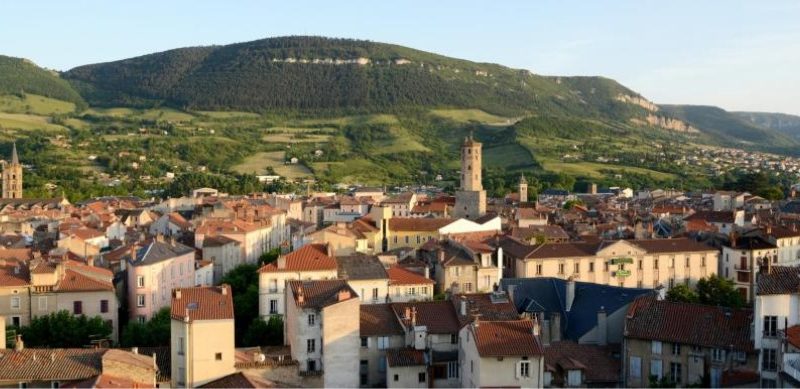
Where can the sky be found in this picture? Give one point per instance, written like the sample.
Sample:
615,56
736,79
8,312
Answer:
739,55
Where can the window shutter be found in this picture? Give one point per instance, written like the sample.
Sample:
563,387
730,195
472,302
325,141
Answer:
517,370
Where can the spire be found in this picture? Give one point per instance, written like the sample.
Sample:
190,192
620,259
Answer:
522,179
14,156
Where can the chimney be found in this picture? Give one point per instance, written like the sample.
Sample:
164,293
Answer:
463,310
602,327
555,327
414,316
224,289
90,261
177,294
535,326
511,290
427,272
2,333
441,254
769,229
329,249
476,320
732,238
344,294
407,313
19,345
160,237
301,298
570,293
135,350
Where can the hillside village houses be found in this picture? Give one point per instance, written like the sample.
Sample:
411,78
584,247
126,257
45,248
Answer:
408,287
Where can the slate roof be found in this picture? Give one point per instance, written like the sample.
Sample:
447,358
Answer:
713,216
405,357
694,324
360,267
311,257
600,367
506,338
671,245
202,303
546,294
751,243
379,320
156,251
438,316
320,293
778,280
241,380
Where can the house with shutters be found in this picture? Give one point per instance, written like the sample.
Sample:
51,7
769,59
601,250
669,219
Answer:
686,344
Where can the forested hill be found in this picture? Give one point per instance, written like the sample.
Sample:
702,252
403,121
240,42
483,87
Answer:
787,124
314,73
19,76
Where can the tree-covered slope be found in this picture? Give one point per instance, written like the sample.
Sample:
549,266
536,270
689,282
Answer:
314,73
19,76
787,124
729,129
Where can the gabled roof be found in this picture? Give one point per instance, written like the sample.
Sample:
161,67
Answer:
438,316
506,338
490,306
378,320
417,224
202,303
695,324
62,364
157,251
751,243
321,293
311,257
548,295
241,380
598,364
74,281
713,216
401,276
778,280
13,274
405,357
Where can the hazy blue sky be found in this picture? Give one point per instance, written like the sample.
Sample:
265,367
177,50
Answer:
737,55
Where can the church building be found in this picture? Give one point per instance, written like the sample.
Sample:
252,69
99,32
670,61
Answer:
12,177
471,198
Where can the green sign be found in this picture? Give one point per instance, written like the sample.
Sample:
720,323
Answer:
622,273
617,261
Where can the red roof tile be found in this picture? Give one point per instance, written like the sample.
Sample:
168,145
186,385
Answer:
378,320
74,281
417,224
321,293
13,274
241,380
779,280
693,324
405,357
599,364
506,338
203,303
438,316
311,257
401,276
793,335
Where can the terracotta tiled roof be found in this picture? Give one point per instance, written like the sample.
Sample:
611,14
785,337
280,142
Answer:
793,335
551,232
401,276
405,357
599,365
13,274
178,220
506,338
107,381
779,280
417,224
780,232
24,254
203,303
74,281
378,320
671,245
402,198
60,364
560,250
241,380
439,316
87,233
491,307
693,324
713,216
321,293
311,257
218,240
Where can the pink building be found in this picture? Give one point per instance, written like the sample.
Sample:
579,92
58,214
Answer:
154,270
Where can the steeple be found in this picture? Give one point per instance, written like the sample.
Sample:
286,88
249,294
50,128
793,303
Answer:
522,179
14,156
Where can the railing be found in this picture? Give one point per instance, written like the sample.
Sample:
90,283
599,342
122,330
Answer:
791,365
739,267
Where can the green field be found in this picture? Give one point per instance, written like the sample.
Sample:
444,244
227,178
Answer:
508,156
165,114
593,169
257,164
356,170
228,114
345,120
34,104
473,115
18,121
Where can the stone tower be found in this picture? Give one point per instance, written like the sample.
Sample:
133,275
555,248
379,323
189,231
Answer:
12,177
471,199
523,189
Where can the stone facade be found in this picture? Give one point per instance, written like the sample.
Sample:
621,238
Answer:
471,199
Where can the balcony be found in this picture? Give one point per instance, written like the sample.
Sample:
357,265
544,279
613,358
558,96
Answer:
743,268
791,365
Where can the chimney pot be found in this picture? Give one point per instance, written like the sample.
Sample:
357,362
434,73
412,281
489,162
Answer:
177,294
19,345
